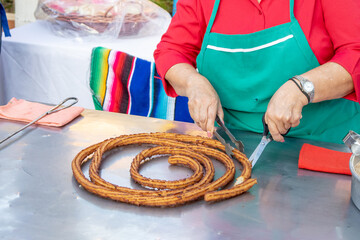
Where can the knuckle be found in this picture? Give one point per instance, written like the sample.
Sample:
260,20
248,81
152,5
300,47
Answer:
213,102
283,131
295,124
286,118
202,119
295,120
195,101
276,137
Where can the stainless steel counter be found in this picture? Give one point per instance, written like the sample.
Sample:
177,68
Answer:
39,198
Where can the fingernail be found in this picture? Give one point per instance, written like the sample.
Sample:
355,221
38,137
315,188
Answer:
209,134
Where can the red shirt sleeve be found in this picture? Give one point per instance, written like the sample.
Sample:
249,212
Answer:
342,21
182,41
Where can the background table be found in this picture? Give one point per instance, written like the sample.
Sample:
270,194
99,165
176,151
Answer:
37,65
40,199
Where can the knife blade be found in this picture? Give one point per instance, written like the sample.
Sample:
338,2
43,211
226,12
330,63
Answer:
258,150
263,143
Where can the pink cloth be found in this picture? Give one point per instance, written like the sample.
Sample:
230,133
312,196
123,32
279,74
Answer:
24,111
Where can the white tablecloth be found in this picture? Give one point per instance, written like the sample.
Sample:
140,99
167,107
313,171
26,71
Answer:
37,65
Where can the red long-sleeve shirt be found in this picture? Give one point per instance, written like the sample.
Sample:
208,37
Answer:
332,28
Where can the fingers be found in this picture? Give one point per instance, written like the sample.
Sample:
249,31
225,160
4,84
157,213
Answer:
203,107
275,133
220,112
212,112
202,116
276,129
279,124
284,110
207,114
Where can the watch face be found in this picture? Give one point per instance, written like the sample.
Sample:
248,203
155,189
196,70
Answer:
308,86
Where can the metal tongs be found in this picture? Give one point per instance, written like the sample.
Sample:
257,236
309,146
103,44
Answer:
57,108
228,148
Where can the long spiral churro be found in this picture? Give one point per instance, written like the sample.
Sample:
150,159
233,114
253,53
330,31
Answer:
193,152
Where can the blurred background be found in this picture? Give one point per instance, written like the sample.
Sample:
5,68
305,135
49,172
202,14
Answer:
9,6
20,12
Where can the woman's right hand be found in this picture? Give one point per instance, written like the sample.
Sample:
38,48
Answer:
204,103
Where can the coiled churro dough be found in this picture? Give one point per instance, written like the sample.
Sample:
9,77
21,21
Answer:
190,151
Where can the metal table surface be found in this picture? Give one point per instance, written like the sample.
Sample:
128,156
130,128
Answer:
40,199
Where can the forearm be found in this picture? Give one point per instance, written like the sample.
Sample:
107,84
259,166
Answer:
331,81
204,103
284,110
182,77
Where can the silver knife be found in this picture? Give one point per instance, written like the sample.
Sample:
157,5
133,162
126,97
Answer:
259,149
264,141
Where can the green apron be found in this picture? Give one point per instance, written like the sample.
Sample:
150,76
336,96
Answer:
247,69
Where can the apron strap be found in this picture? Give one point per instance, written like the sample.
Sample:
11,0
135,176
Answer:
208,28
292,16
212,18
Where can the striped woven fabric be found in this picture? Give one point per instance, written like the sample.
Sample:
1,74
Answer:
127,84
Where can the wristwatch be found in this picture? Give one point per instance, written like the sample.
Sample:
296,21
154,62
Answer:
306,87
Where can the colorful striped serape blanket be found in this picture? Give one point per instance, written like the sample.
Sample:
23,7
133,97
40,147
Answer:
126,84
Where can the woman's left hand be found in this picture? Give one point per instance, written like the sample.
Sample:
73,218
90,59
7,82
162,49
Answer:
330,80
284,110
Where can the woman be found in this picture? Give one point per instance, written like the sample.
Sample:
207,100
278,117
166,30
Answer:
247,50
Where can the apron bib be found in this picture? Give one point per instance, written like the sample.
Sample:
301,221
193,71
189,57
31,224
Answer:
247,69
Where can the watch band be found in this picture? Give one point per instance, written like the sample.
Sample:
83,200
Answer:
305,93
306,85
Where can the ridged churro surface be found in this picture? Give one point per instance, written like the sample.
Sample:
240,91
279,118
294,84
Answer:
193,152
